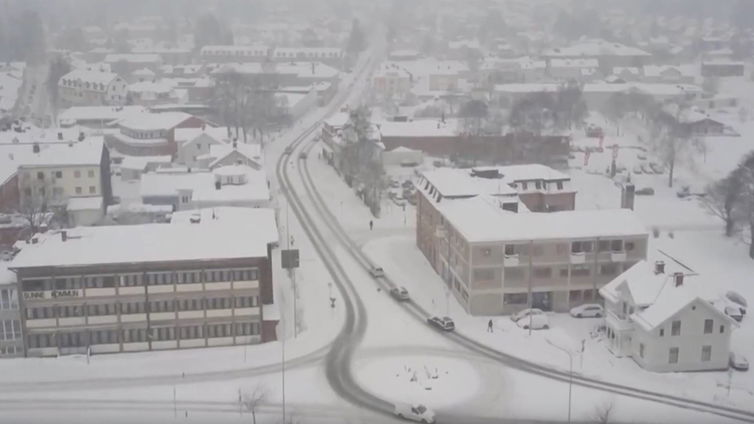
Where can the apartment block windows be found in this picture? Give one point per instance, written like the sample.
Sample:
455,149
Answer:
706,353
78,190
708,324
40,176
90,173
641,350
662,332
510,250
543,272
673,355
92,189
77,174
559,185
58,174
581,246
675,329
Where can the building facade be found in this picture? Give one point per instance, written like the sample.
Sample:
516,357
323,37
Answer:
11,338
92,88
190,296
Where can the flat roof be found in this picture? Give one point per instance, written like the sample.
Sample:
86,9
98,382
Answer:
481,219
84,153
123,244
262,220
84,203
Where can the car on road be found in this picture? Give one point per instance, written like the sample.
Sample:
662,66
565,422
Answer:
444,323
399,293
734,312
376,272
288,150
525,313
738,362
588,310
415,412
646,191
302,155
536,322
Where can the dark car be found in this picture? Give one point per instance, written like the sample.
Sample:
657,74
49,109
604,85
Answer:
444,323
646,191
399,293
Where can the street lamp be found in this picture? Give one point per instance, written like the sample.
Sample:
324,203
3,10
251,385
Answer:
570,374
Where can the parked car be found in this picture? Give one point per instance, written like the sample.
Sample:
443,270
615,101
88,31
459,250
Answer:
302,155
593,131
588,310
646,168
376,272
738,299
288,150
536,322
399,293
444,323
646,191
734,312
738,362
657,168
525,313
416,412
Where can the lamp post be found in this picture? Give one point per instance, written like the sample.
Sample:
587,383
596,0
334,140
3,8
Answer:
570,374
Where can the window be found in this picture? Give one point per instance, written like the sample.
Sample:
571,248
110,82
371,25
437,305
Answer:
722,329
616,245
78,190
706,353
484,274
515,298
543,272
641,350
90,173
486,252
538,185
40,175
92,189
608,269
603,245
514,274
560,185
708,326
581,270
581,246
673,355
510,250
537,250
630,246
524,186
58,174
675,329
77,174
662,332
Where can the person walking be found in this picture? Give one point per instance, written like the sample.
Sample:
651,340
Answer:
489,327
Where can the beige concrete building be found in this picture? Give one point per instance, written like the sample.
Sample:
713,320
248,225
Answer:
145,287
498,257
82,87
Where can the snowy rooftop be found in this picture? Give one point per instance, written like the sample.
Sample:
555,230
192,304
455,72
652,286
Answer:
10,83
154,121
87,152
338,119
601,87
133,58
184,135
141,162
574,63
595,48
262,220
641,283
84,203
141,243
202,186
6,276
220,151
481,219
91,76
99,113
419,128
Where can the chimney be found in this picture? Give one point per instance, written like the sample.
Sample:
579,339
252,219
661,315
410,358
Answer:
678,278
659,267
64,236
60,135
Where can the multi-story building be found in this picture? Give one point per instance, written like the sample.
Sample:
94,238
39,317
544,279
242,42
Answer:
145,287
391,81
497,257
82,87
232,53
58,173
332,56
150,134
11,339
656,316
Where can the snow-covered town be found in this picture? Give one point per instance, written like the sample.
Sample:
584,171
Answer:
352,211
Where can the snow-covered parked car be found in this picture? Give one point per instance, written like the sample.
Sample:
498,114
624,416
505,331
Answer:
587,310
734,312
376,272
444,323
399,293
416,412
738,299
535,322
525,313
738,362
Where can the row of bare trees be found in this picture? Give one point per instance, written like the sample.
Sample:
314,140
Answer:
360,162
247,105
732,199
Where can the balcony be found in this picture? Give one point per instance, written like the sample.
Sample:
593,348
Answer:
511,260
618,256
578,258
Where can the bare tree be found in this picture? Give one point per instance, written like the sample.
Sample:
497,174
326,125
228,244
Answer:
672,139
604,412
723,198
37,214
252,400
746,205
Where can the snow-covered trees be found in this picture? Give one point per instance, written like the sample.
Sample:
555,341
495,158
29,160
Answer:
732,199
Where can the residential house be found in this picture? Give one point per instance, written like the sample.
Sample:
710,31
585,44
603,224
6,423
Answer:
656,316
193,143
235,153
92,88
723,68
391,82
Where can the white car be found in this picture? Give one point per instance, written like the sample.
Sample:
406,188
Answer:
376,272
417,412
525,313
588,310
738,362
536,322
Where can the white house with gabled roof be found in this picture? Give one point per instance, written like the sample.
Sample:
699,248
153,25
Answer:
655,315
193,143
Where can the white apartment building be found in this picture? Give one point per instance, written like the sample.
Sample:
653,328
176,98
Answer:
11,338
656,316
82,87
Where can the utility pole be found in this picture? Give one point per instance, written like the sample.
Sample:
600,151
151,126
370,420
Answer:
531,299
570,375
